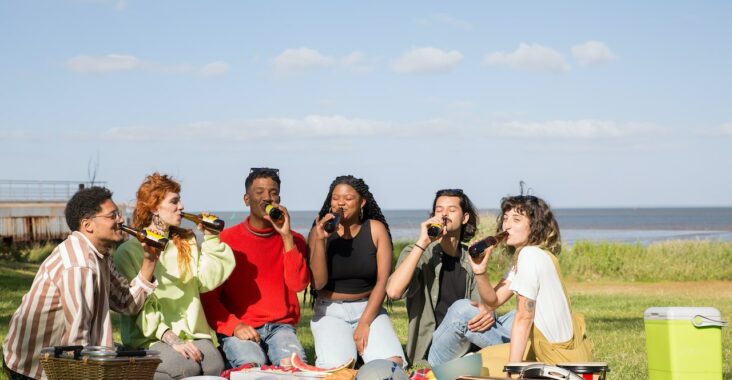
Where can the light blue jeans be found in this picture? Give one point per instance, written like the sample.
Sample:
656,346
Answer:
452,339
279,340
333,325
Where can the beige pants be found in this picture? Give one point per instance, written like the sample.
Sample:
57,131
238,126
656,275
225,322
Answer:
495,357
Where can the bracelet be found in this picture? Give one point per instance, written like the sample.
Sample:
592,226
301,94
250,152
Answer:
420,247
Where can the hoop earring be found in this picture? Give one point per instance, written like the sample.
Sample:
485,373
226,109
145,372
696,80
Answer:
360,215
159,224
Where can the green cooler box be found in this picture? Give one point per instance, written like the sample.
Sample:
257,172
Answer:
684,343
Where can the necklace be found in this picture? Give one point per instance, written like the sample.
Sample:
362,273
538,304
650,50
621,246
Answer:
260,234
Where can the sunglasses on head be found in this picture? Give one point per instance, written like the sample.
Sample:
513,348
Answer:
264,170
449,191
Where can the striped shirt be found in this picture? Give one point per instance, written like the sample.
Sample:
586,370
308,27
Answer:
68,304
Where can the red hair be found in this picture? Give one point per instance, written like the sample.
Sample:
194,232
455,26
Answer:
151,193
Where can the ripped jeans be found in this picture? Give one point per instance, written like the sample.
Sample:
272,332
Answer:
277,342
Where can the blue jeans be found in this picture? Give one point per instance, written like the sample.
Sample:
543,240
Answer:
278,340
452,339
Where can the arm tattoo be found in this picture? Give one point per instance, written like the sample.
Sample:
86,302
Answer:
530,305
170,338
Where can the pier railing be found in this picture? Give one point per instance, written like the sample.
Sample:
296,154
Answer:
41,191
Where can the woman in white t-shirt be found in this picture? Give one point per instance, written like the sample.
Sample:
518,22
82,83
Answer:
533,241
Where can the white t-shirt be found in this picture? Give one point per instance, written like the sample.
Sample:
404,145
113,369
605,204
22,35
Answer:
536,278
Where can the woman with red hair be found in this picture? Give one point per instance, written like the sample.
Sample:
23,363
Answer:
172,320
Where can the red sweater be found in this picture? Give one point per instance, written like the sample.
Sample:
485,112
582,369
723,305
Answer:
264,284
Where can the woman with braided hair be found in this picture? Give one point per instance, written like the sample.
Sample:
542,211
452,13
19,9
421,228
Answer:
350,267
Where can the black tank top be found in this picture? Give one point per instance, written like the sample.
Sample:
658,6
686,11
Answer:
351,262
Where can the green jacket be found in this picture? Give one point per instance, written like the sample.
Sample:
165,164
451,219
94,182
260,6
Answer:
422,295
176,303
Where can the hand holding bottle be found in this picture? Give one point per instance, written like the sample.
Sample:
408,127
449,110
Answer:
435,224
150,253
320,223
278,216
332,224
479,265
435,230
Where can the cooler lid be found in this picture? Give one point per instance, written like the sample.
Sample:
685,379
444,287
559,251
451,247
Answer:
681,313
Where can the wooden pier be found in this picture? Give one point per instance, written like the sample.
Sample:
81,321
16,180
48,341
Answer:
33,211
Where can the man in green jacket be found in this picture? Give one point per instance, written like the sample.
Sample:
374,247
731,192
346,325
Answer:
446,317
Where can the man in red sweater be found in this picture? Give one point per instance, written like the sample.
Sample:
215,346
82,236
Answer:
255,311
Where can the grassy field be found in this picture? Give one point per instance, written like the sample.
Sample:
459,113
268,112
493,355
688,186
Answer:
619,282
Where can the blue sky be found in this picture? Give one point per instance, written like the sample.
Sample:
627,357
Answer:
593,104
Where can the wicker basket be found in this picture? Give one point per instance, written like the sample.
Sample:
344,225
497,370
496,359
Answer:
97,363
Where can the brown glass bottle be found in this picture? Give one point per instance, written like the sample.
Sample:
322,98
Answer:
332,224
274,212
210,222
145,236
476,250
434,229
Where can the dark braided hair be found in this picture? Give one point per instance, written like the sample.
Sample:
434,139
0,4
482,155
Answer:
371,209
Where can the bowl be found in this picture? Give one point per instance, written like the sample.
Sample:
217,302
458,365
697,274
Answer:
468,365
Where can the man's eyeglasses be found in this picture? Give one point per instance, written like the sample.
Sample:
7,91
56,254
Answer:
265,170
114,215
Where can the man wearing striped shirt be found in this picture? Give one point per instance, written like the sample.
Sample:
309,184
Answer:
69,301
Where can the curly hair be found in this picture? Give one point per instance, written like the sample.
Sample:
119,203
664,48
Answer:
544,229
85,204
255,173
371,209
151,193
467,232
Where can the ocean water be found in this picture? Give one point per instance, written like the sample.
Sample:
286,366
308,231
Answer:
642,225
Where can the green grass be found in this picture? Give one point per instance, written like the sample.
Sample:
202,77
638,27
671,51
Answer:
665,261
619,281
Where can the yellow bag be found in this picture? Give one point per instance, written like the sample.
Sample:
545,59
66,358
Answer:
577,349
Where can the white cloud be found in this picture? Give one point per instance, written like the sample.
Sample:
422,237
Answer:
531,57
592,53
444,19
284,129
724,130
215,69
356,62
354,58
343,128
104,64
426,60
587,129
302,59
21,135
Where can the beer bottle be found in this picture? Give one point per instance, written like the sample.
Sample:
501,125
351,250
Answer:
146,236
434,229
332,224
210,222
476,250
274,212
